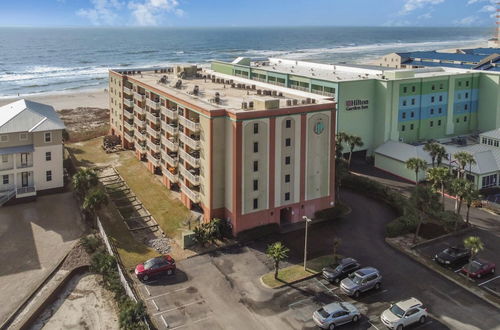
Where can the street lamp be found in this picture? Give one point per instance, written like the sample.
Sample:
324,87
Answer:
307,220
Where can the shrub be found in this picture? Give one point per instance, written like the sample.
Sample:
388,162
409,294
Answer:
102,263
91,243
402,225
132,315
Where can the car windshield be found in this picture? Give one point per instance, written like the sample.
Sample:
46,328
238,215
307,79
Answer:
356,279
323,313
339,268
450,251
474,266
148,264
397,311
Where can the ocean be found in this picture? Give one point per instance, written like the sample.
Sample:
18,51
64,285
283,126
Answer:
49,60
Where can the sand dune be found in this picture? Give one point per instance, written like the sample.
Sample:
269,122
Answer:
91,99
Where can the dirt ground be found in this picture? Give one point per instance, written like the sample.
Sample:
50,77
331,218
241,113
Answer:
85,304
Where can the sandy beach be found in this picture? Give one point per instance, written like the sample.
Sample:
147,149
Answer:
87,99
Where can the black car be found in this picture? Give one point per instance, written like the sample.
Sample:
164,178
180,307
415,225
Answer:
341,271
453,256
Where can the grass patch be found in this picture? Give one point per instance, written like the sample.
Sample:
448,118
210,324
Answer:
296,273
90,153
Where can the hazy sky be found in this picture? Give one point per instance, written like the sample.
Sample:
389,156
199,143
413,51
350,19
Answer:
247,12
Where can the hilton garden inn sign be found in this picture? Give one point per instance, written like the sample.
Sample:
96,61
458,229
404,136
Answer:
356,105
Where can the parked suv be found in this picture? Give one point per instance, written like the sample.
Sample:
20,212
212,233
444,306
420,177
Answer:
338,273
360,281
404,313
453,256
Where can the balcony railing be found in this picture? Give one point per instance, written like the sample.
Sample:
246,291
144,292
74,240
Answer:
195,127
173,130
169,159
30,190
154,133
192,177
153,146
128,135
141,147
127,91
300,88
128,103
139,109
129,125
195,162
140,136
152,104
192,143
172,177
152,117
128,114
153,160
172,114
169,144
193,195
139,96
25,165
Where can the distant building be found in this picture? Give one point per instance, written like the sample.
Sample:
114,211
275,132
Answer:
31,151
249,151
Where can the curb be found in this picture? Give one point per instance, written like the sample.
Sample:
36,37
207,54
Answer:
418,259
286,284
432,240
37,288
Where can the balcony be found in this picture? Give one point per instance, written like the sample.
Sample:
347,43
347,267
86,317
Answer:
139,136
153,146
170,144
169,128
129,125
152,104
153,132
195,127
169,159
172,177
26,191
128,103
140,123
141,147
192,194
139,97
128,114
190,175
128,91
27,164
172,114
192,143
191,160
153,160
153,117
138,109
128,135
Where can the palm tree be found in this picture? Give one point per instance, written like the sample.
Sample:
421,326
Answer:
433,149
474,244
353,141
440,155
459,188
340,173
425,200
463,158
340,138
471,195
416,164
277,252
438,176
84,180
94,200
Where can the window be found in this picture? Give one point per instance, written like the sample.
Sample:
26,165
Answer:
413,89
439,122
432,111
255,128
412,114
466,107
288,142
48,137
432,99
404,103
23,136
489,181
287,178
465,118
287,160
255,185
459,84
287,196
413,101
256,147
5,179
484,140
48,175
440,110
458,120
405,89
496,143
466,95
4,138
440,98
48,156
431,123
403,128
441,86
255,203
403,115
5,158
433,87
490,142
411,127
255,166
467,83
288,123
459,96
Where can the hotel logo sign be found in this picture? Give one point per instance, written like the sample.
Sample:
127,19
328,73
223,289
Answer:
319,127
351,105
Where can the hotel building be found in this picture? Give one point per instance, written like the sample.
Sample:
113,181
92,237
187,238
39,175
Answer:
245,150
31,150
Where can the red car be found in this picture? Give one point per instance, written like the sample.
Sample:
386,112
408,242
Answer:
156,266
478,268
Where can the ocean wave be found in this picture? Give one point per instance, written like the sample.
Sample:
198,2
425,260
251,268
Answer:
44,72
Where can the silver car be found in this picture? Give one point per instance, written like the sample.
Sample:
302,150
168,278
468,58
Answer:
404,313
332,315
360,281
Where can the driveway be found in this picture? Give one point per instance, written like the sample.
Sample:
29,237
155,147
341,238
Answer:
222,290
34,237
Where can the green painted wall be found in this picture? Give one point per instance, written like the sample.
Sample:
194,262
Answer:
489,102
222,67
396,167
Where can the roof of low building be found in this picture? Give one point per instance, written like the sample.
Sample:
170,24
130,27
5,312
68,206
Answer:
495,134
28,116
403,151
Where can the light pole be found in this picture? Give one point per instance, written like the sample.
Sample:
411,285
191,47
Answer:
307,220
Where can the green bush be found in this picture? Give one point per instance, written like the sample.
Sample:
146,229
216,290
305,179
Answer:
91,243
102,263
132,315
448,219
402,225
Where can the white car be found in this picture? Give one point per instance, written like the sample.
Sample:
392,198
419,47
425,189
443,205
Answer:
404,313
332,315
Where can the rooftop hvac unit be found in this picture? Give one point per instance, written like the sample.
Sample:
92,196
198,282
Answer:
217,97
295,101
178,84
196,90
250,104
244,105
289,103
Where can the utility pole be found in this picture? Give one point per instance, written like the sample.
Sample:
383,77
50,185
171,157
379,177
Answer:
307,220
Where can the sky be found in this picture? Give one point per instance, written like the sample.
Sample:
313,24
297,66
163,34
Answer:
235,13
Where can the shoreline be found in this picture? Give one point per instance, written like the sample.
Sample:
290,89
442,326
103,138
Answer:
67,100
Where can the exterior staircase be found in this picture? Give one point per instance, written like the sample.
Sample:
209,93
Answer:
6,196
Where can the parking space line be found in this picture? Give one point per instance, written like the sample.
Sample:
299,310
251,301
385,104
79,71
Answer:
321,283
164,322
156,306
456,271
490,290
494,278
373,325
173,309
166,293
147,290
197,321
298,302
